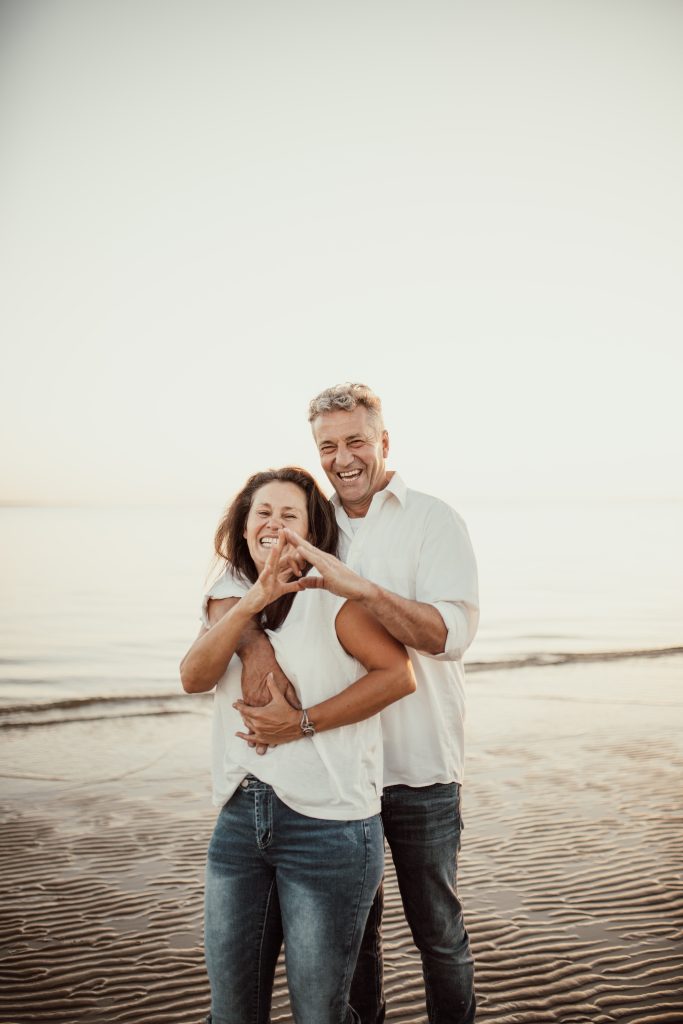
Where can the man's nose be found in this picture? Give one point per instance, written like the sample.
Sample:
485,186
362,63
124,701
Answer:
343,457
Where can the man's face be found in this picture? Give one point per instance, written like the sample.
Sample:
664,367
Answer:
352,451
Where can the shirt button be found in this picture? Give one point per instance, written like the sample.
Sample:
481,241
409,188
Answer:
244,783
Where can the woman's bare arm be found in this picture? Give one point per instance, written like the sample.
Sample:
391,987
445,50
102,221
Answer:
210,654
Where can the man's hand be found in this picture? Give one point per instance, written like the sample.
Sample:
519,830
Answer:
276,722
334,575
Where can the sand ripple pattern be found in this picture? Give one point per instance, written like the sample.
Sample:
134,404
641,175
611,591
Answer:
571,874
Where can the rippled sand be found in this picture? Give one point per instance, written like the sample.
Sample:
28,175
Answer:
571,871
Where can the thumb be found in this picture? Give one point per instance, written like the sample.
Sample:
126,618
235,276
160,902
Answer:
311,583
272,688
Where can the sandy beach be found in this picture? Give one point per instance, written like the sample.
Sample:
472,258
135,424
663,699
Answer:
571,871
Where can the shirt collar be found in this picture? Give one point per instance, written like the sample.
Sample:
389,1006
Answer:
397,487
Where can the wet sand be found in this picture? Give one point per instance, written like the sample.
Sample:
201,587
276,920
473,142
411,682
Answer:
571,871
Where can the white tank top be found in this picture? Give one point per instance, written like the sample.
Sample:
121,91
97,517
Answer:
336,774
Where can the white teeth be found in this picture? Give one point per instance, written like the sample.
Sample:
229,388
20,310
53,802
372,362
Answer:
268,542
351,475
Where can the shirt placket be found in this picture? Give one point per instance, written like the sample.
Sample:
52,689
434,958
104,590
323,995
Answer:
362,540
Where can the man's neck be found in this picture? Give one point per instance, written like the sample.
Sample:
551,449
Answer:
361,510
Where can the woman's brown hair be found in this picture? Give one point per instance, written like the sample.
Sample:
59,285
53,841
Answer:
231,545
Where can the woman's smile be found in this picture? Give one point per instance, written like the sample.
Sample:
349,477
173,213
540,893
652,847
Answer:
275,505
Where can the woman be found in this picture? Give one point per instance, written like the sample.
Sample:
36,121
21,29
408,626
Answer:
298,839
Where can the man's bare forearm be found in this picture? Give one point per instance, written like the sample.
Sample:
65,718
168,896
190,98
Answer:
279,723
252,639
412,623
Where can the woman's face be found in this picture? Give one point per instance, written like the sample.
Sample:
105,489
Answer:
275,505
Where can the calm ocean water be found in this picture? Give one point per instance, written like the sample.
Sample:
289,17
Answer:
98,605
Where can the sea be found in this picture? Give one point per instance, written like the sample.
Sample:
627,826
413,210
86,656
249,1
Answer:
98,605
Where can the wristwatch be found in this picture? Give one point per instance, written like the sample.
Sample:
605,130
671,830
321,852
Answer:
307,727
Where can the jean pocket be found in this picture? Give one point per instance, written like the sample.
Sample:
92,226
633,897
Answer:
427,815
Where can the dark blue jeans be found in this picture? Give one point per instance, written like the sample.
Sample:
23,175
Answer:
422,827
269,871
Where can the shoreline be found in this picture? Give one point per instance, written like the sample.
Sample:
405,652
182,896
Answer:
18,713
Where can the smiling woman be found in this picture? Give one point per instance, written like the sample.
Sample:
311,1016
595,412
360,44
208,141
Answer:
273,499
262,529
299,828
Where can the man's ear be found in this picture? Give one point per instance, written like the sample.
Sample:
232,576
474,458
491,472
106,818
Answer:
385,443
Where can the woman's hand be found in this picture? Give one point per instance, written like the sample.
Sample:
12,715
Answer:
274,580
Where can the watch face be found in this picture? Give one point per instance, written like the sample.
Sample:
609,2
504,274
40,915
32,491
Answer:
307,727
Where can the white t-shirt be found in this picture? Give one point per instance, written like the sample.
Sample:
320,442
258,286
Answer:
336,774
418,547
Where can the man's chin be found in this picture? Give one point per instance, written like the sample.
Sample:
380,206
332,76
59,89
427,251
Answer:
353,488
354,496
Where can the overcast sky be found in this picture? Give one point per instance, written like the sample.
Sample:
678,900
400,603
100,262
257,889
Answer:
212,210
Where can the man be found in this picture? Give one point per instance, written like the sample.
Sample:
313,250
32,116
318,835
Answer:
407,558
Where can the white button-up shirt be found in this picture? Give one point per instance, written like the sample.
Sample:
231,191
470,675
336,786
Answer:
418,547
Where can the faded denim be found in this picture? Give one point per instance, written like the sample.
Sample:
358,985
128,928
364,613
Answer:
274,873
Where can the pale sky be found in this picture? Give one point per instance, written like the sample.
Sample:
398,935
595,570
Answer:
212,210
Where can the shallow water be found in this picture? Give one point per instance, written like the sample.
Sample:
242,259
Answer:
100,603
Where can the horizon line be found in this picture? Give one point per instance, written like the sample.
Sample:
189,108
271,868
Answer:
564,499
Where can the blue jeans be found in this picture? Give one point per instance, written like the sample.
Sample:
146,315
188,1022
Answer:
422,827
266,865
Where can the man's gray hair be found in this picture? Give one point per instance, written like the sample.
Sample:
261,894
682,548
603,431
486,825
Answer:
347,397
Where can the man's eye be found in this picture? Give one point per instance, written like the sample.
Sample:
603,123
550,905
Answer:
356,444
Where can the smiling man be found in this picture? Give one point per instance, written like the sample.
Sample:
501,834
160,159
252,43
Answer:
353,446
407,558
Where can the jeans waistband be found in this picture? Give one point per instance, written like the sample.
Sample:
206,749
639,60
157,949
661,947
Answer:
251,782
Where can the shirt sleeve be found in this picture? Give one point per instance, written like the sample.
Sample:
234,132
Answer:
227,585
447,578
